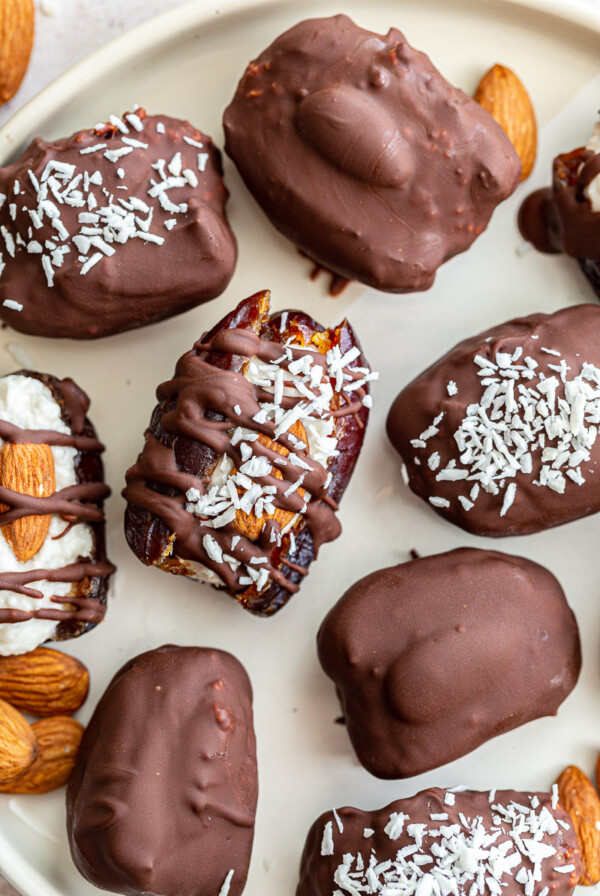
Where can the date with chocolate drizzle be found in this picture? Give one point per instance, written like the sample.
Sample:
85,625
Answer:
85,604
248,453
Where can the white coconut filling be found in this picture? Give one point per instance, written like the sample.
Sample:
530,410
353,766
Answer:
315,394
592,191
26,402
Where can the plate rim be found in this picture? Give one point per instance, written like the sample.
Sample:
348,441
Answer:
145,38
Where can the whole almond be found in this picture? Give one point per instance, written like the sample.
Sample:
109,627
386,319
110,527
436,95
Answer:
579,798
16,43
28,470
17,743
44,682
58,740
502,93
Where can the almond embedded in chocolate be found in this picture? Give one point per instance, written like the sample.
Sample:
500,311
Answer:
434,657
362,154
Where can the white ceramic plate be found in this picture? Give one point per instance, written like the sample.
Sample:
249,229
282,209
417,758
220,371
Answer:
187,63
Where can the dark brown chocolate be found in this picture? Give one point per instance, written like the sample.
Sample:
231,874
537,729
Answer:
85,605
561,218
441,842
259,530
434,657
113,228
163,795
360,152
500,435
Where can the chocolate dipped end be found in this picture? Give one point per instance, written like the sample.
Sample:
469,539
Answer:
182,450
434,657
163,796
474,832
85,604
385,201
561,218
137,220
495,490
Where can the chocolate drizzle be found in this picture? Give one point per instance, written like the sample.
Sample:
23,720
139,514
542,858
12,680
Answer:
80,502
206,402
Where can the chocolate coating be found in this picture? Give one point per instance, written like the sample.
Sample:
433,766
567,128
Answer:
138,236
163,796
433,657
535,441
561,219
362,154
195,426
464,847
86,604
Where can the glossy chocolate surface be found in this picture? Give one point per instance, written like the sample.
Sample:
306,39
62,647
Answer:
433,657
532,461
163,795
86,605
113,228
443,842
199,419
360,152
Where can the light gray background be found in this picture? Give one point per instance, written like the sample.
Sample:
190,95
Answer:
67,31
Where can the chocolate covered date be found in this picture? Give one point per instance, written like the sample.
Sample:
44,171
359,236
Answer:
566,216
163,796
53,568
442,842
500,435
113,228
434,657
248,453
362,154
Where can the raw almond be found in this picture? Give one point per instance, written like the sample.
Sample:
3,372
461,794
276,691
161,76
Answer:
17,743
44,682
58,740
16,43
579,798
248,524
28,470
502,93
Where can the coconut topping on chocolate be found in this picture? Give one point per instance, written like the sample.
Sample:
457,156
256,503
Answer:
522,412
82,209
439,843
271,423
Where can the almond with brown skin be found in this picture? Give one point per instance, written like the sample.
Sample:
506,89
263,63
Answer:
16,43
502,93
44,682
28,470
17,743
58,740
579,798
248,524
